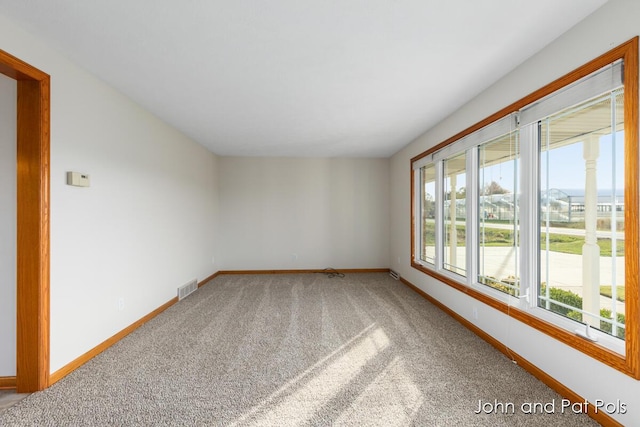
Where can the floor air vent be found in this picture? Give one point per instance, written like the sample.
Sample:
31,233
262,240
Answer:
188,289
394,274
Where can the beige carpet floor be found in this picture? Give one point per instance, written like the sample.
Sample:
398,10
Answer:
300,349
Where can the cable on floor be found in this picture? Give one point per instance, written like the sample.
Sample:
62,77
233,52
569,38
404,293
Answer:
332,272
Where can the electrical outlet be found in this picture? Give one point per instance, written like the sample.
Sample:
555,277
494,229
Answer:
213,259
294,257
120,304
475,313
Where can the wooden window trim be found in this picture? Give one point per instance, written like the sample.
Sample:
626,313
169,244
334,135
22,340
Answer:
630,362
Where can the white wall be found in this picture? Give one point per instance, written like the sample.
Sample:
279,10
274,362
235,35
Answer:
7,226
328,212
616,22
145,226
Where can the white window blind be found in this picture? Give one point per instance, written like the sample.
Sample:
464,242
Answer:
498,128
595,84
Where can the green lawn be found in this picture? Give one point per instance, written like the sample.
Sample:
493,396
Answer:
557,242
573,245
605,291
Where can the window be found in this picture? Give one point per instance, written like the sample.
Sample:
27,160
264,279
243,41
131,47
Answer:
454,214
534,210
498,225
581,211
428,213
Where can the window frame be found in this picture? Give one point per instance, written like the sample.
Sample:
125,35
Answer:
628,361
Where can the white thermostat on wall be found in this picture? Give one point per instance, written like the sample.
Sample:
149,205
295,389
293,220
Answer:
77,179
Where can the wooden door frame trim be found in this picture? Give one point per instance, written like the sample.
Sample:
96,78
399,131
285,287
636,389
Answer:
33,213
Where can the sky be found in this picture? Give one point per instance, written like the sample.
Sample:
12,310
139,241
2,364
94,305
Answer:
565,174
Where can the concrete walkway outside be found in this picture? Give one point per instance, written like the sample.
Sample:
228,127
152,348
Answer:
564,270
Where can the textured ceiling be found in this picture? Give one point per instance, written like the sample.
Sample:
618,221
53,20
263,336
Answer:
299,78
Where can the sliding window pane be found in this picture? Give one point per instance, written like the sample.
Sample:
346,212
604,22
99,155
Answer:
454,226
428,214
498,224
582,269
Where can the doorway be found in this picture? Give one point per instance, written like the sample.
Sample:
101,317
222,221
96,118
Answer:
32,228
8,221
